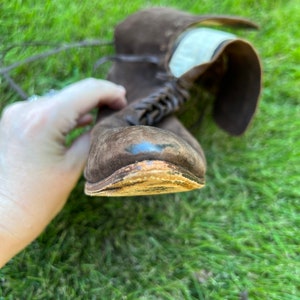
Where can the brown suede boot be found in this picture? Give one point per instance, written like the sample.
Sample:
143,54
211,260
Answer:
160,56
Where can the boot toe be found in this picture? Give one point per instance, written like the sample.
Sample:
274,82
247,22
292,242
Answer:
141,160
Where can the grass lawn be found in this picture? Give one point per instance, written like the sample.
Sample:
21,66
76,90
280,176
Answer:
238,238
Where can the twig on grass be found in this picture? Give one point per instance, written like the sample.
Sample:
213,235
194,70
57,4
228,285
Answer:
26,45
4,71
15,86
64,47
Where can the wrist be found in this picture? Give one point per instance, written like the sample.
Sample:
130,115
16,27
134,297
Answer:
9,246
14,230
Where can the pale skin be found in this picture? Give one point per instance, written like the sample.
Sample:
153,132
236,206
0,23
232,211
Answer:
37,170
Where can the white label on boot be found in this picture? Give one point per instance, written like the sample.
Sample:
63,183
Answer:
196,47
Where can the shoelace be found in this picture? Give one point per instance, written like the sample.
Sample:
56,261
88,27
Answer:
156,106
152,109
152,59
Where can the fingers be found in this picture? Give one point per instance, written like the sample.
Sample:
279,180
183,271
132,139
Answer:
84,120
87,94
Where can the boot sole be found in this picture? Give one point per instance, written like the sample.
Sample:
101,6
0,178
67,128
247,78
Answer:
148,177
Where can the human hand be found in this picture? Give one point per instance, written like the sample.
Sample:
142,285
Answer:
37,170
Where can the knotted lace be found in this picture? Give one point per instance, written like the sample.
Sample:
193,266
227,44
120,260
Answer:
152,109
158,105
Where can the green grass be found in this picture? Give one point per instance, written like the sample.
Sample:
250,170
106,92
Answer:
239,235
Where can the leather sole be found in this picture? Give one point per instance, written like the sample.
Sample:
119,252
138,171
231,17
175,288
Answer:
148,177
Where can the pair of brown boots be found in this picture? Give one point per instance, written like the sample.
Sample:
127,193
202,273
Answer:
161,54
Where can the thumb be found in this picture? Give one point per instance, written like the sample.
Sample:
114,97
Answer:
77,154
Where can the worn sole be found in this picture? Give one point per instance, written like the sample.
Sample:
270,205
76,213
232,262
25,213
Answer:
148,177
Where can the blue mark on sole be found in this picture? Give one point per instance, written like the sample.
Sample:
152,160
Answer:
145,147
